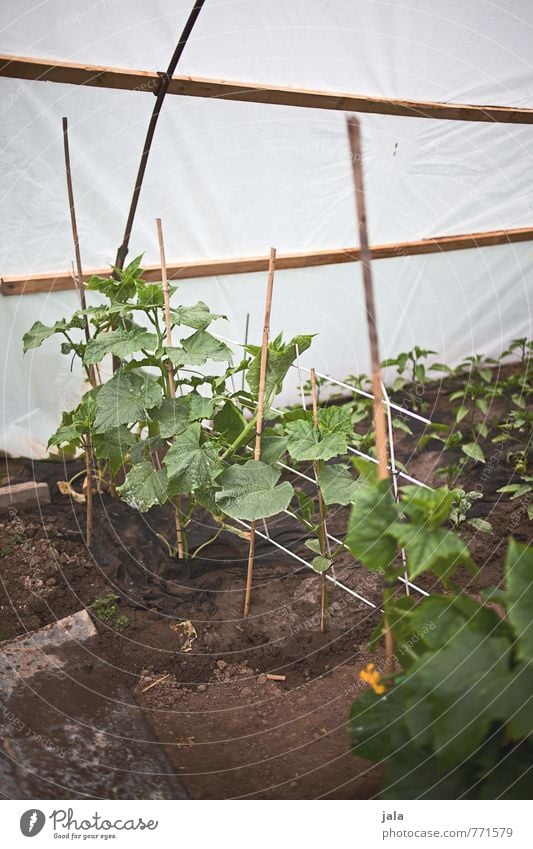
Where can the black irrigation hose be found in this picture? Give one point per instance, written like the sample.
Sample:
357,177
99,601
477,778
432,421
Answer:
160,96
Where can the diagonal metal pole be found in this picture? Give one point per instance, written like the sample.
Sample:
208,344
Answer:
160,96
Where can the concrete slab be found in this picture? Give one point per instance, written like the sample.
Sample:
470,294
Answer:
70,728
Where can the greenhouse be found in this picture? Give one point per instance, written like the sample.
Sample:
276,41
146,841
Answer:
266,493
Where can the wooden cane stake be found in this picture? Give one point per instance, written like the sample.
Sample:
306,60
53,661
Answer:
78,276
260,412
169,367
380,424
322,513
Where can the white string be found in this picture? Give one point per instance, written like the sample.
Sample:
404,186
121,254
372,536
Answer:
305,563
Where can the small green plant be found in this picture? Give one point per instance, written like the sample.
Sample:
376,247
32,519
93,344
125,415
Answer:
455,721
410,367
462,503
521,489
106,610
522,346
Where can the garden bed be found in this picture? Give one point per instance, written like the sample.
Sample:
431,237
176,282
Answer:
229,731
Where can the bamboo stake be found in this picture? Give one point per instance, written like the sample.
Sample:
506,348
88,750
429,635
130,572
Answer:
380,425
260,412
91,372
322,511
169,367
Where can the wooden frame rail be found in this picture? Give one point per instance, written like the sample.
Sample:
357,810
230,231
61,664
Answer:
125,79
28,284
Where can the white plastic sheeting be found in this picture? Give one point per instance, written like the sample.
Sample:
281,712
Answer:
232,179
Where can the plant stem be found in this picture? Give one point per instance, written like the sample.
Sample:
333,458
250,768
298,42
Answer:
243,436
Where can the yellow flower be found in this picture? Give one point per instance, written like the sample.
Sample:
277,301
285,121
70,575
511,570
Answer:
371,676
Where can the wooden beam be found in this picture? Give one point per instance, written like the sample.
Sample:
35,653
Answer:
28,284
126,79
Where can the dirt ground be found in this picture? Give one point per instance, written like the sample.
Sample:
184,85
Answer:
228,730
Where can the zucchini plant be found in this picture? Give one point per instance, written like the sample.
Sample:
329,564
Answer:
455,721
155,442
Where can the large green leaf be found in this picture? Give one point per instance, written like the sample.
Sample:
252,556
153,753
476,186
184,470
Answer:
173,416
144,486
113,445
76,423
335,420
120,342
191,465
305,443
337,484
428,507
197,316
280,358
519,595
435,549
203,344
125,399
369,538
273,446
251,491
462,682
370,717
229,422
39,332
200,407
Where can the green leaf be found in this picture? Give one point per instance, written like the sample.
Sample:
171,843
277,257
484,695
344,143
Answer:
337,484
273,447
125,399
462,411
305,505
66,434
251,492
481,525
197,316
370,716
280,358
428,507
203,345
191,465
229,422
462,680
173,416
144,487
113,445
313,545
473,450
435,549
38,332
121,343
374,511
200,407
321,564
519,595
304,442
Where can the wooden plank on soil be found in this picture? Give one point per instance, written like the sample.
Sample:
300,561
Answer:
23,496
61,281
127,79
